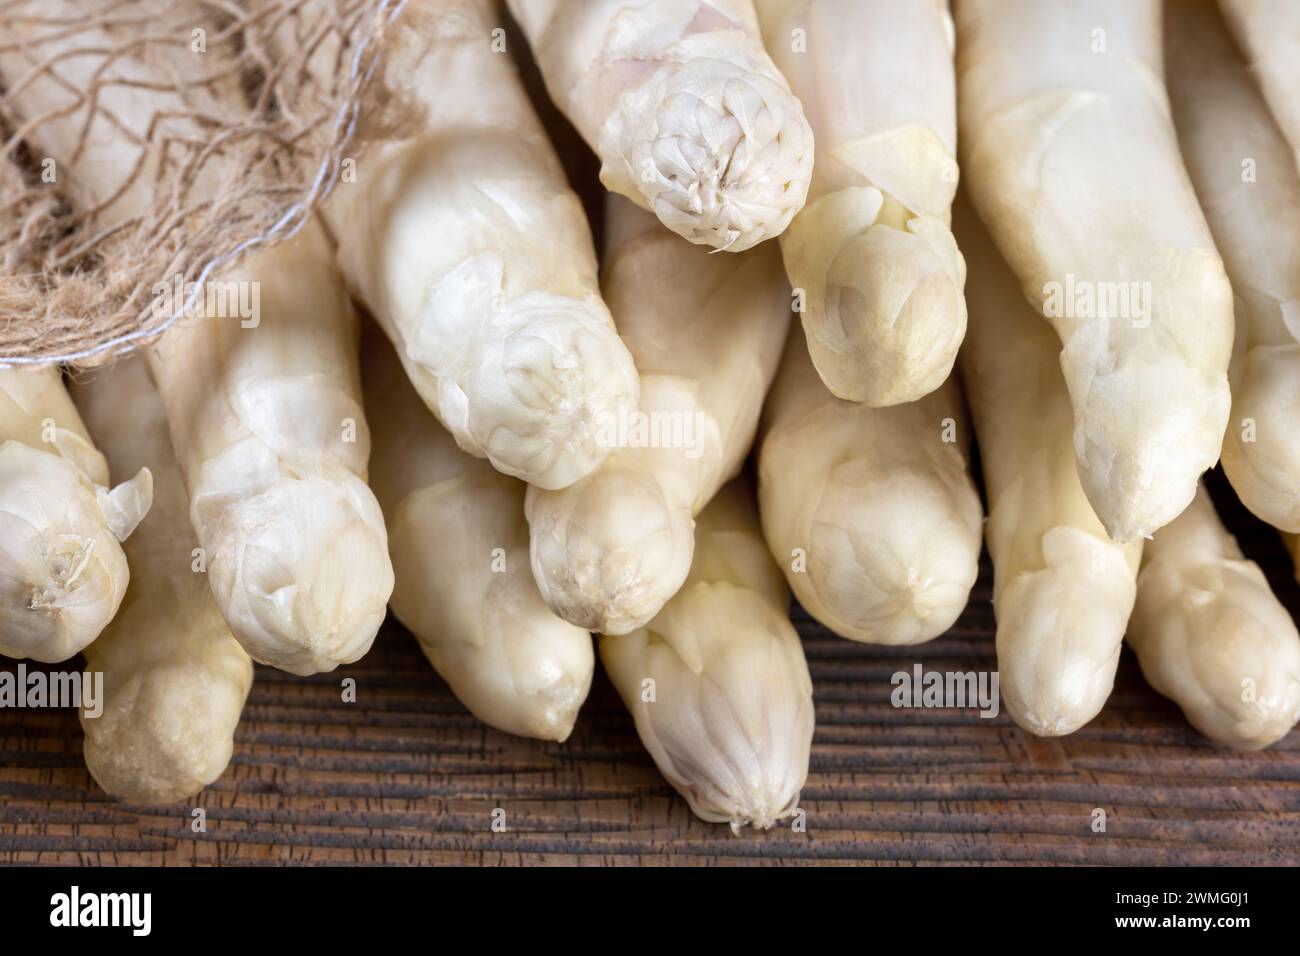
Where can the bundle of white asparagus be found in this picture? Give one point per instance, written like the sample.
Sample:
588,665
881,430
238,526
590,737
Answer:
539,473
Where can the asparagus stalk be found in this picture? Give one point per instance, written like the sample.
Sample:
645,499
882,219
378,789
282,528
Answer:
872,251
717,682
463,238
688,115
264,410
706,333
1071,157
871,513
62,571
1211,636
175,679
269,430
1269,32
1249,187
1062,590
460,547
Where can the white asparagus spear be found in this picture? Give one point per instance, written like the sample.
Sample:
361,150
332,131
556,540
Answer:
1070,155
265,420
1211,636
717,682
872,250
460,549
688,116
1249,187
706,333
870,512
268,427
62,571
175,680
1062,590
1269,32
463,237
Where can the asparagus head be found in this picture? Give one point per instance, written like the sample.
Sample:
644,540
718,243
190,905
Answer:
870,512
463,238
62,570
717,682
880,274
1211,636
688,115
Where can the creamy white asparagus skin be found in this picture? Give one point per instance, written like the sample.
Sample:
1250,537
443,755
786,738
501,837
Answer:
686,112
264,406
1062,590
463,238
174,678
1249,188
1211,636
1269,33
872,251
1070,155
62,571
460,549
871,513
269,429
717,682
706,333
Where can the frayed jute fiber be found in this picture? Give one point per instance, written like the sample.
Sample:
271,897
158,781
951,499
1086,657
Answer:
150,144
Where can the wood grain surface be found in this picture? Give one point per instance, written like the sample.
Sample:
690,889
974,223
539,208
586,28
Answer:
406,776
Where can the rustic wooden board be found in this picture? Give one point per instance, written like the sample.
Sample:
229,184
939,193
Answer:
406,775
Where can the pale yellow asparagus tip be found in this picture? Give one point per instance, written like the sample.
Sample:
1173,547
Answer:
1059,632
717,682
605,551
62,570
300,570
885,311
1142,438
485,628
720,151
1211,636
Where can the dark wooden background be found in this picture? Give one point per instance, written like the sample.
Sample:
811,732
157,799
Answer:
406,775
